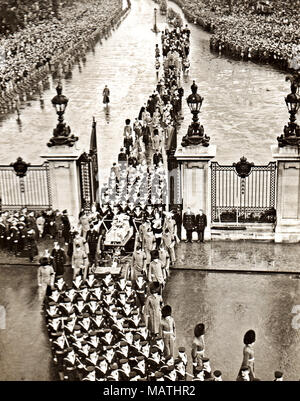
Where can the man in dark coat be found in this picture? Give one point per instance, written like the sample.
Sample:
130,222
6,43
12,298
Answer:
92,238
189,224
30,244
157,157
66,226
201,223
59,258
122,156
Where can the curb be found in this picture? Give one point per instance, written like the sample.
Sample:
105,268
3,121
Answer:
25,264
242,271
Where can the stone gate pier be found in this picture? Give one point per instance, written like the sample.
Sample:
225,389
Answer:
288,193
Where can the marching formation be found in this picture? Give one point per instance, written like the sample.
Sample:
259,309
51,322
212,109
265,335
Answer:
117,327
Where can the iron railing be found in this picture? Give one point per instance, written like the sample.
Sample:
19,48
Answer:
32,191
242,200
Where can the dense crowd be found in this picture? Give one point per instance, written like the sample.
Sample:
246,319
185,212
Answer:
245,32
52,45
16,14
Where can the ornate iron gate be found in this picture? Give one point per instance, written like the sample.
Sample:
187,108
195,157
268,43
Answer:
24,185
88,173
84,165
243,192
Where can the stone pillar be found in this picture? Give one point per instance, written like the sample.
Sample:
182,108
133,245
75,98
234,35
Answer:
287,193
64,179
196,180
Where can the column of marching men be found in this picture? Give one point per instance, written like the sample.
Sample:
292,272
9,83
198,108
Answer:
118,328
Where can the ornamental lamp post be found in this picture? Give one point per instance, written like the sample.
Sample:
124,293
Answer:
291,132
62,133
293,103
195,134
60,102
194,101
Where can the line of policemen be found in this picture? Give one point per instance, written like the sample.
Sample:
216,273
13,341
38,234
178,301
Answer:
18,234
97,332
19,231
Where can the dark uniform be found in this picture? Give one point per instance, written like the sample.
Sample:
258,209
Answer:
201,223
92,238
189,224
58,260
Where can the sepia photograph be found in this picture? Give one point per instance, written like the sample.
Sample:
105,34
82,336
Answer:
149,193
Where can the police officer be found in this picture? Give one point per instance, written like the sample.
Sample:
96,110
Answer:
189,224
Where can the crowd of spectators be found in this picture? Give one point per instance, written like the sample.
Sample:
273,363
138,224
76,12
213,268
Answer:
249,30
51,44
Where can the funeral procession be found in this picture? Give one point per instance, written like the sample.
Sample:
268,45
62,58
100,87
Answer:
149,193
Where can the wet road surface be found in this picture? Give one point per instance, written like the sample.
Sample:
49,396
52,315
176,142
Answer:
243,112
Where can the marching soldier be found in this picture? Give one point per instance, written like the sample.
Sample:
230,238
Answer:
59,349
155,269
164,257
45,277
124,371
154,362
30,244
102,369
92,238
180,369
140,367
169,242
140,287
206,369
138,262
59,258
70,365
113,374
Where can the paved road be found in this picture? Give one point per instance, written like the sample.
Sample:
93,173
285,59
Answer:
243,112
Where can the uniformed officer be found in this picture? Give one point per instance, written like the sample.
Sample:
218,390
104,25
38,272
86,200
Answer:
206,369
189,224
138,262
140,287
59,258
70,365
90,374
113,373
155,269
124,371
92,238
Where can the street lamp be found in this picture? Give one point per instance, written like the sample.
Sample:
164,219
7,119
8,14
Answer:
195,134
292,103
60,102
62,133
155,29
291,132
